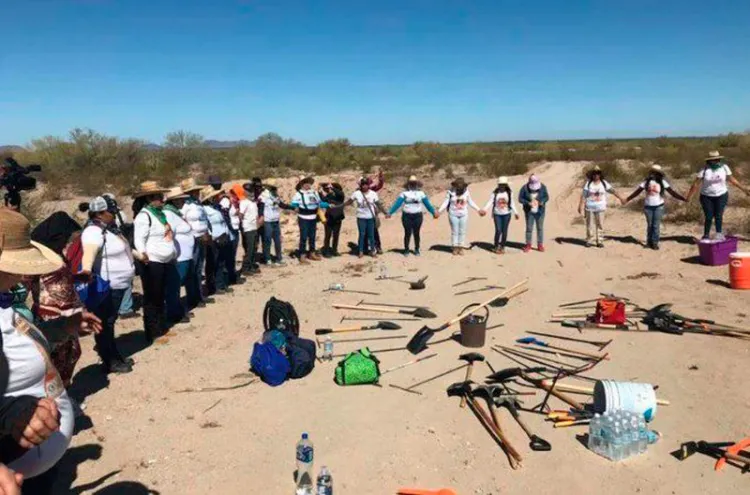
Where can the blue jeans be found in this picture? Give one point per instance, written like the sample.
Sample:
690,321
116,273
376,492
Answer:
654,214
531,219
272,232
713,209
195,276
307,230
186,270
175,310
502,222
126,306
366,228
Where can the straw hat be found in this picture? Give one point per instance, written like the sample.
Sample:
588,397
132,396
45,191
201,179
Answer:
714,155
502,181
189,185
175,193
657,168
209,192
304,180
20,255
413,178
148,188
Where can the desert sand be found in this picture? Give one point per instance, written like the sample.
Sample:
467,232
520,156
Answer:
143,435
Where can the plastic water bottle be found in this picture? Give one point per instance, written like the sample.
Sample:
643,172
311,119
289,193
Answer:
383,272
642,435
595,434
328,349
635,436
305,455
324,486
608,434
627,438
336,287
617,442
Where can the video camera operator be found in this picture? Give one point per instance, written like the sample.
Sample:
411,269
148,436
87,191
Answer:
15,178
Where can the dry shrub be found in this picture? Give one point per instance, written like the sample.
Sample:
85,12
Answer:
689,212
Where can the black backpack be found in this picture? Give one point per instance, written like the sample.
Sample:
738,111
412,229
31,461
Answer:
301,355
276,312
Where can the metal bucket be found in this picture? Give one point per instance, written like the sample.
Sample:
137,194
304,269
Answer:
474,328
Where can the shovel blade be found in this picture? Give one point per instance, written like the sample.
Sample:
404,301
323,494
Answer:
539,444
418,342
500,302
388,325
423,313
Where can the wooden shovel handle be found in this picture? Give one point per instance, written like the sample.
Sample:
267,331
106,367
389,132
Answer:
565,398
474,309
366,308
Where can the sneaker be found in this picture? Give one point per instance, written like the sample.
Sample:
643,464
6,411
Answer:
280,263
460,251
303,260
540,248
600,244
406,253
417,253
379,251
360,255
720,237
315,257
655,246
527,248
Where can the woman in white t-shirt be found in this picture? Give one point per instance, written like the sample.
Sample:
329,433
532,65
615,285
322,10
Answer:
414,201
712,181
655,186
31,374
594,201
155,249
107,254
457,202
368,204
501,204
184,240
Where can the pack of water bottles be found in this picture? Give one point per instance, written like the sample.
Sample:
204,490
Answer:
618,435
305,454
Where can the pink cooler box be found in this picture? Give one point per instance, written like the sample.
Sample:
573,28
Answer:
715,253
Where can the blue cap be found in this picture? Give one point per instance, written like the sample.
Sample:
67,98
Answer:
304,436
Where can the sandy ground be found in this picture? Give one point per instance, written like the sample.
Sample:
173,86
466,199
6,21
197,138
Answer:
143,435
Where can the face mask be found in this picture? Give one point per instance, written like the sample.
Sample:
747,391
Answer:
715,165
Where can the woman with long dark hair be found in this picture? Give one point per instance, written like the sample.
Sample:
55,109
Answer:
368,204
414,202
502,205
655,185
333,194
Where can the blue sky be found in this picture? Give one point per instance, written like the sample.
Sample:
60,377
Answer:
374,71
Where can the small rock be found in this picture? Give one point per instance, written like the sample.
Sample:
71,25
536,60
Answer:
431,430
108,418
693,367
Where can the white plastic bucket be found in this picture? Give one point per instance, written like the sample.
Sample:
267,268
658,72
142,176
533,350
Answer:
639,398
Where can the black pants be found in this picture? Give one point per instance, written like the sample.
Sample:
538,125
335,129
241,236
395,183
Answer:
713,210
332,232
412,223
108,311
212,257
154,280
248,262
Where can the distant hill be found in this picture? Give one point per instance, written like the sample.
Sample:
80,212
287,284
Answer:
10,148
215,144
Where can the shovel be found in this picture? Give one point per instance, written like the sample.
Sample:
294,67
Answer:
418,312
387,305
382,325
418,343
418,285
541,343
501,302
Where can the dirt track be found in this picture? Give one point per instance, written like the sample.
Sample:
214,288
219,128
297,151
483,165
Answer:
145,435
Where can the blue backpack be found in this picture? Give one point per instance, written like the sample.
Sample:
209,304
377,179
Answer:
269,364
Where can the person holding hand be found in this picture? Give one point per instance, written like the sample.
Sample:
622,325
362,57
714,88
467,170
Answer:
593,205
368,204
457,202
714,192
501,202
414,202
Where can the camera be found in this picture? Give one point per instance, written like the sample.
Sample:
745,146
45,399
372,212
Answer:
15,178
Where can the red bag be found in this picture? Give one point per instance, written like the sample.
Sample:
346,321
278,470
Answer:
610,311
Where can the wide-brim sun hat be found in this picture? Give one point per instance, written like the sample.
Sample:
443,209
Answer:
459,182
149,188
208,193
20,255
657,168
175,193
714,155
189,185
304,180
502,181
